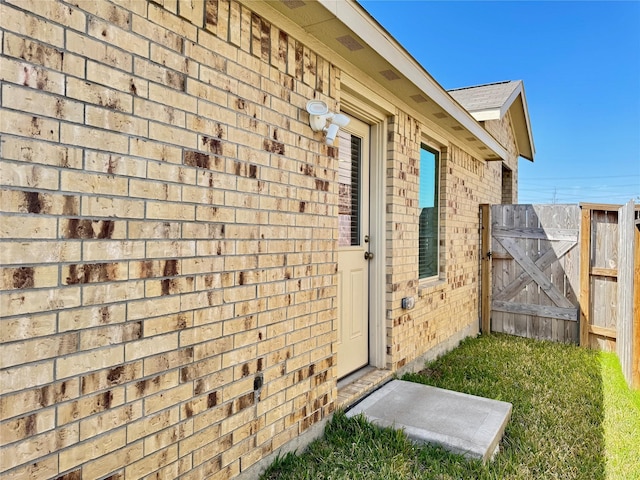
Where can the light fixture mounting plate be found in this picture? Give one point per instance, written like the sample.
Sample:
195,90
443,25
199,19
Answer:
317,107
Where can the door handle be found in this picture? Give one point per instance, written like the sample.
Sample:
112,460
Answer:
368,255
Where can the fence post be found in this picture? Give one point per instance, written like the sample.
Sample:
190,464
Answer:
624,325
485,281
635,369
585,267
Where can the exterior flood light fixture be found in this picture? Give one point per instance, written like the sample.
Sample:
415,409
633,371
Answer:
319,116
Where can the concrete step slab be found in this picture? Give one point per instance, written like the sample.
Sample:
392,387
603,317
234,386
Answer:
461,423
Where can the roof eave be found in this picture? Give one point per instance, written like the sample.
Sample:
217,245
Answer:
516,104
520,114
531,149
351,14
522,128
318,19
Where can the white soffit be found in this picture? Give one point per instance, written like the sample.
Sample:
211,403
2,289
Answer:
483,115
358,20
345,32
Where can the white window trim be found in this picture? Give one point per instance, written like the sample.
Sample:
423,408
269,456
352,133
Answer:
439,279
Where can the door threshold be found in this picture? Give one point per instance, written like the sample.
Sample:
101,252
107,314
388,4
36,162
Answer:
357,385
353,376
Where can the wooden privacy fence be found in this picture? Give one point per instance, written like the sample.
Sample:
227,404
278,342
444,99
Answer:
609,261
567,273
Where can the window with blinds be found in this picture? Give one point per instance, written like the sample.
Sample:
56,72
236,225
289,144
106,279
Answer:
429,208
349,173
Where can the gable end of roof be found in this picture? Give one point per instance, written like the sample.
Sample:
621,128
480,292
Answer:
493,101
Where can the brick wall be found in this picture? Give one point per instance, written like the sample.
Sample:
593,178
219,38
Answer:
502,131
168,232
447,309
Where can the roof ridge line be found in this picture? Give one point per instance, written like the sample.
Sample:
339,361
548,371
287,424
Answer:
482,85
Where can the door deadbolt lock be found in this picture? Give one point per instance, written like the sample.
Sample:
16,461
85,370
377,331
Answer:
368,255
366,239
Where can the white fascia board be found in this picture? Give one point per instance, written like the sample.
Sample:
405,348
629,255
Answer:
484,115
528,120
519,92
507,104
388,48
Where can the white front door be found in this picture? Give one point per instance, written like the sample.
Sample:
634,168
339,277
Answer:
353,243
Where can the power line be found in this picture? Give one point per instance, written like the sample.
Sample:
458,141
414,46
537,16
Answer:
584,178
582,198
591,193
550,183
529,186
560,193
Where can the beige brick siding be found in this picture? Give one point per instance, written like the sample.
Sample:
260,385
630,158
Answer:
449,305
502,131
169,231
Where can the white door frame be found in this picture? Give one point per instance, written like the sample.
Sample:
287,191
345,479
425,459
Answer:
355,106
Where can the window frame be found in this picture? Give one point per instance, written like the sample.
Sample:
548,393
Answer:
437,152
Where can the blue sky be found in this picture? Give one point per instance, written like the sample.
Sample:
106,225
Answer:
580,63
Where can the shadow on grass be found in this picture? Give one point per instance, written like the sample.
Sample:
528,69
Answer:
556,428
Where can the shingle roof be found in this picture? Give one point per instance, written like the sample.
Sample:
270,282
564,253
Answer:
493,101
485,97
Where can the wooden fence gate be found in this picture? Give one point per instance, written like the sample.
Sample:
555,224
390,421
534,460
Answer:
535,271
568,273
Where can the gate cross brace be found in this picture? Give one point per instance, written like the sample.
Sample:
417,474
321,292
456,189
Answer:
536,274
524,279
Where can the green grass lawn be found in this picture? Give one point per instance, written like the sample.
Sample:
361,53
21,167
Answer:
573,418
